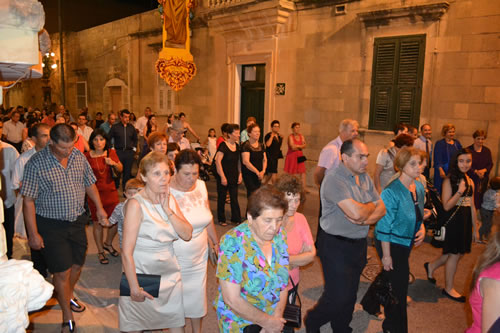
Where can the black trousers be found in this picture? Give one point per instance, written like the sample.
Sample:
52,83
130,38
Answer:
126,158
252,182
396,318
343,261
8,224
221,201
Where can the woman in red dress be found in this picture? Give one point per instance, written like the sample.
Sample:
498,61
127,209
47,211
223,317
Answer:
295,159
101,158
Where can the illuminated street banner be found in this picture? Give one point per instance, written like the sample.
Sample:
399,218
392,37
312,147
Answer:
175,64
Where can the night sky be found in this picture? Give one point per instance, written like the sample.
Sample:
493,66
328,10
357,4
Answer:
83,14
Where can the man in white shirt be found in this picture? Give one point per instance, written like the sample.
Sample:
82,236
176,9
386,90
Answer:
40,136
13,131
176,133
140,124
8,156
83,129
424,143
329,157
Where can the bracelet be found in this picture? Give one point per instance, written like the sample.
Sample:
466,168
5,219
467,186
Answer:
460,193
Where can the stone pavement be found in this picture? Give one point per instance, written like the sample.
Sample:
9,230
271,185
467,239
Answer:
428,312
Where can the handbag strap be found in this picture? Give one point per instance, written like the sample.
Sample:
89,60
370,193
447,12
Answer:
456,210
296,290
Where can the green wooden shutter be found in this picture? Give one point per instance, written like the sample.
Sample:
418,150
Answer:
396,90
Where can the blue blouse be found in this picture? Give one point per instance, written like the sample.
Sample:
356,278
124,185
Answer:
399,225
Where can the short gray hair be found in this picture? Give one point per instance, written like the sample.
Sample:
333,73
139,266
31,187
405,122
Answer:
344,124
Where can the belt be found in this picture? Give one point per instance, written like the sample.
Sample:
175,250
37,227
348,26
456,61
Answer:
347,239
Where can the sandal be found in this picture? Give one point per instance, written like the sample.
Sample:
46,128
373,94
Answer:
76,306
102,258
70,324
224,224
110,249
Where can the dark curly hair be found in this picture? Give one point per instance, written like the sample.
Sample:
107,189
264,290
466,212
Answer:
288,183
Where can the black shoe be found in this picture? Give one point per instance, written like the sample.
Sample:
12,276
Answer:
459,299
70,324
430,279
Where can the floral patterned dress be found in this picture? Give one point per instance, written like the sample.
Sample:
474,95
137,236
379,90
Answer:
242,262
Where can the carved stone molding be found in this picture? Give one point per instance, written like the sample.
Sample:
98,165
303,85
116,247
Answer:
250,19
427,12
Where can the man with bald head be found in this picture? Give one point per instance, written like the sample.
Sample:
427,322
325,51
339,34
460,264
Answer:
350,204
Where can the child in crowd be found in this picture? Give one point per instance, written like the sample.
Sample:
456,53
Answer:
133,186
211,143
172,150
491,202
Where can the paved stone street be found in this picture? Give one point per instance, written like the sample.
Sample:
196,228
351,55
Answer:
428,312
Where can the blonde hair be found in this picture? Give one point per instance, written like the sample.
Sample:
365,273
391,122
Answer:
489,257
403,156
150,160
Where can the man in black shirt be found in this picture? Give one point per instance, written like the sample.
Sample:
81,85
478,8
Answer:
125,141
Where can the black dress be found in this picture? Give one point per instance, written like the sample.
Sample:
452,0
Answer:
273,153
251,180
458,236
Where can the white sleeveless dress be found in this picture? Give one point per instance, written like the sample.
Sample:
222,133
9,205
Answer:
154,254
192,255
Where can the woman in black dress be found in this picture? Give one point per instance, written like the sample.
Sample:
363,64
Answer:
458,201
253,160
228,176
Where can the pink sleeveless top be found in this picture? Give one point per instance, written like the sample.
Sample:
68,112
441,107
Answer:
476,300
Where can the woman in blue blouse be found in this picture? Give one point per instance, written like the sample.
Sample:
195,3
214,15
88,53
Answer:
399,230
253,267
443,151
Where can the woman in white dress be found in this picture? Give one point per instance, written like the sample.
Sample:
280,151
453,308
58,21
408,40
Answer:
149,230
191,195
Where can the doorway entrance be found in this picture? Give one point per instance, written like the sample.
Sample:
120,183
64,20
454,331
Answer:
116,99
253,88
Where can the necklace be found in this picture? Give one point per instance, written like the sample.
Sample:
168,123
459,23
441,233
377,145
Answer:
98,167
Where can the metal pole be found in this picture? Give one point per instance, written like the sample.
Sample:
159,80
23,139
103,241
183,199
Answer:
61,57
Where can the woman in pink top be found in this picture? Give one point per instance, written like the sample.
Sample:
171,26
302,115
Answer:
485,288
301,247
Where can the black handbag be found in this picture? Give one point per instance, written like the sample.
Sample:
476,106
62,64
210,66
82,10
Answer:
379,293
149,282
301,159
292,313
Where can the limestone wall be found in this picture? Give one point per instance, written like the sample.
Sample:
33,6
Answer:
324,59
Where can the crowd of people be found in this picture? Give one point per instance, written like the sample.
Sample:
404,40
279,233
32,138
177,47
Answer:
69,171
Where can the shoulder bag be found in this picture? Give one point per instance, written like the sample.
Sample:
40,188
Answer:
440,233
292,312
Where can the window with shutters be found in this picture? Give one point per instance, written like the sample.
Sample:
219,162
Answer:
81,94
397,76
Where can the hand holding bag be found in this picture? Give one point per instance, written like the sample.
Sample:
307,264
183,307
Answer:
149,282
292,313
212,255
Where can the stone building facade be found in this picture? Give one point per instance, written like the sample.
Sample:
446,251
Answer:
321,52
